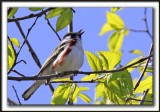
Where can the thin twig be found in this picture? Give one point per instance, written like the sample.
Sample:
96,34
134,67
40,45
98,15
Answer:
21,61
10,101
48,22
135,30
144,70
35,57
15,71
30,16
128,99
144,96
62,74
16,95
51,88
73,10
146,23
92,81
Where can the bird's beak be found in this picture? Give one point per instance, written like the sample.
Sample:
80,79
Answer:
81,32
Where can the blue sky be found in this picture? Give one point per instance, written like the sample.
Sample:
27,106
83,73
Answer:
91,20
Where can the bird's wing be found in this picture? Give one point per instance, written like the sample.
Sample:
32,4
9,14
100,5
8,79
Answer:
53,56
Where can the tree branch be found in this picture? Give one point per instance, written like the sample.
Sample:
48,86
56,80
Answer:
16,95
62,74
48,22
137,100
11,102
15,71
30,16
144,96
28,44
144,70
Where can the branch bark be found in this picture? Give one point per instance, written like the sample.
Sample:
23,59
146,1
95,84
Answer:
59,75
30,16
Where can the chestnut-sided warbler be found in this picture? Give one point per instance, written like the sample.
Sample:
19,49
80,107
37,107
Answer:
68,56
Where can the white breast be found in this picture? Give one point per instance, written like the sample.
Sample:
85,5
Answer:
74,60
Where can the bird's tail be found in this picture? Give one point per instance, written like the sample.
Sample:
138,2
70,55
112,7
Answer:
27,94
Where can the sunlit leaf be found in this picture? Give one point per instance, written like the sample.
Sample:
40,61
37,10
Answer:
62,79
15,42
115,21
136,51
85,98
61,94
144,85
54,12
130,69
115,41
106,28
11,57
115,9
35,8
76,92
83,88
90,77
110,59
12,12
93,61
64,19
99,90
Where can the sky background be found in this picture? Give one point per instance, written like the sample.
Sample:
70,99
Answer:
43,40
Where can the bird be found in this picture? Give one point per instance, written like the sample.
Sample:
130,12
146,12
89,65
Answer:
68,56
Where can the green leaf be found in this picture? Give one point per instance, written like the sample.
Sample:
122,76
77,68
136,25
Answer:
136,51
12,12
115,41
100,90
15,42
149,97
115,9
64,19
115,21
119,86
110,59
144,85
54,12
130,69
76,92
83,88
11,57
93,61
62,79
106,28
61,94
149,69
35,8
85,98
90,77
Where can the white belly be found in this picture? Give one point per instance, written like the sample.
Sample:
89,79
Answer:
73,61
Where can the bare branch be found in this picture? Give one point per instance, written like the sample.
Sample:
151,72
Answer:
15,71
21,61
28,44
11,102
128,99
48,22
144,70
51,88
17,95
144,96
62,74
30,16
